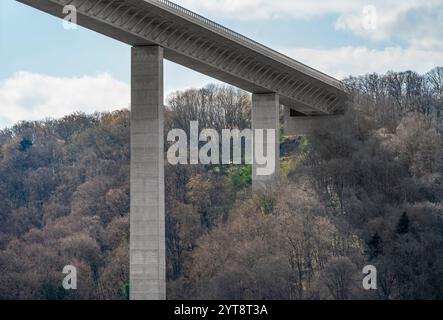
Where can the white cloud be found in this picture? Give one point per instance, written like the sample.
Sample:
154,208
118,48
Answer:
29,96
345,61
395,18
409,20
269,9
418,24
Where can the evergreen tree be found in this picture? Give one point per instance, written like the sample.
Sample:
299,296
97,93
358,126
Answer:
375,246
403,224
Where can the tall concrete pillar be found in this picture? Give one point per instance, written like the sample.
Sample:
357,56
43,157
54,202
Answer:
266,115
147,279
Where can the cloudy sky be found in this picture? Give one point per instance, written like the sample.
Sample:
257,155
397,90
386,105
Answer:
48,71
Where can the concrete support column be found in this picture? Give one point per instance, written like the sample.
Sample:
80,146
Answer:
266,115
147,279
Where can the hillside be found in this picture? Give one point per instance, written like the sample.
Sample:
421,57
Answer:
366,189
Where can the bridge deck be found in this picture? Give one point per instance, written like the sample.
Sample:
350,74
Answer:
207,47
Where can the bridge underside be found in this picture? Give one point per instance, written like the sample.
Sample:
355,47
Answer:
206,47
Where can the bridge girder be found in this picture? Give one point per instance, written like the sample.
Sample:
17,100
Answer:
204,46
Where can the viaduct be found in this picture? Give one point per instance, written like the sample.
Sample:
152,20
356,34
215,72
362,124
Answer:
158,29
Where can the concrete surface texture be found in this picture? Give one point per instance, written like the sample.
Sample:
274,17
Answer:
266,115
147,217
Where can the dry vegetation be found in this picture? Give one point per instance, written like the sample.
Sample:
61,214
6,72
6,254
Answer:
366,189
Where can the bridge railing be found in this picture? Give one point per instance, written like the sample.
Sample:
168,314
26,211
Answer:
206,21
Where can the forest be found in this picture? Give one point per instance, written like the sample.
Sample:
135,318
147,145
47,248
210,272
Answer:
366,189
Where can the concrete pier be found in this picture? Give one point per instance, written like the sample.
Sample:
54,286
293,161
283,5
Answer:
147,218
302,125
266,115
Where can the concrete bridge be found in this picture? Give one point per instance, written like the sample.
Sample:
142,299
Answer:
158,29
